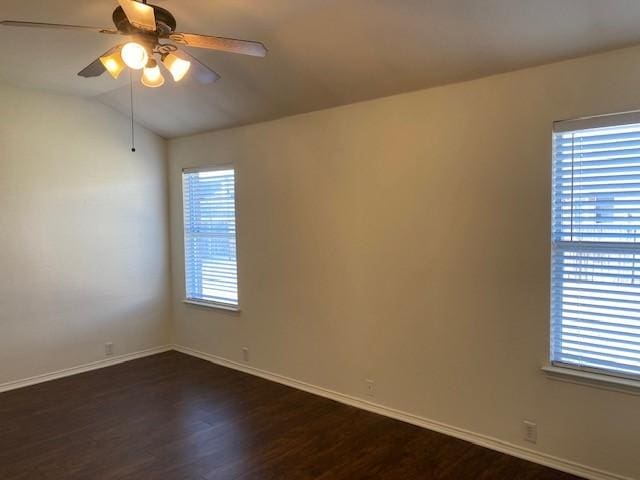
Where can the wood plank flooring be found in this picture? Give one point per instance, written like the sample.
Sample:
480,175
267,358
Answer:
174,417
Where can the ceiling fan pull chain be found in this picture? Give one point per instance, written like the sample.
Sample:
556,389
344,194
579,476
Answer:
133,136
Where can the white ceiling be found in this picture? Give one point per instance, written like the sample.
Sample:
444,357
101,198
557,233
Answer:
323,53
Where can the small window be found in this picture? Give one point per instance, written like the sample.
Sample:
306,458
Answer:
211,273
595,273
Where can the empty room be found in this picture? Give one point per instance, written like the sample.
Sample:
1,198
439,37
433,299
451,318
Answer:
320,239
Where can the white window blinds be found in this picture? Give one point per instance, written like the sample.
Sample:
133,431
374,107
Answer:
595,292
210,236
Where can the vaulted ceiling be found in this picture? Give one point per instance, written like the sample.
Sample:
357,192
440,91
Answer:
322,53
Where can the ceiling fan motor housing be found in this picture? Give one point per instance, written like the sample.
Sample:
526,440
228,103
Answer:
166,22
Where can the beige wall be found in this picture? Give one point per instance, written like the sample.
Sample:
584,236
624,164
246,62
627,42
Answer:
83,234
406,239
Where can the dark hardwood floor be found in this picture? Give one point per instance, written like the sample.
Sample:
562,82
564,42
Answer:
174,417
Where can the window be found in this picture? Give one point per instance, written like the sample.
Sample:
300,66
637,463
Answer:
595,272
210,236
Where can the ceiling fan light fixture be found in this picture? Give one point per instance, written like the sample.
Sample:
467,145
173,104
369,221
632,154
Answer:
152,76
177,66
113,63
134,55
150,28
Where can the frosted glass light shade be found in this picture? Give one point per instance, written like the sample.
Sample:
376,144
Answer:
134,55
113,63
152,77
177,66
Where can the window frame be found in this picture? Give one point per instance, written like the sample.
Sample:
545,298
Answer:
203,303
561,371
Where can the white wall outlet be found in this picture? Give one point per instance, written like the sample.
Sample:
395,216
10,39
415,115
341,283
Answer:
370,387
108,349
245,354
530,431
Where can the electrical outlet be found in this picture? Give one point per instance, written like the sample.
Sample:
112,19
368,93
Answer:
530,431
108,349
245,354
370,387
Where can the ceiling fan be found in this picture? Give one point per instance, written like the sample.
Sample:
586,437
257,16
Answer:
148,25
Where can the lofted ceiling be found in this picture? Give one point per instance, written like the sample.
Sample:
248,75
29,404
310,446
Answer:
323,53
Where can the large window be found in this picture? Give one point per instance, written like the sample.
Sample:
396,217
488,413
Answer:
210,236
595,294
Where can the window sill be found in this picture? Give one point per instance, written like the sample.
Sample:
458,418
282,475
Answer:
213,305
595,380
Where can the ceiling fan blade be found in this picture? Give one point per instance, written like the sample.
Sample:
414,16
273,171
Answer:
231,45
139,14
13,23
96,68
201,72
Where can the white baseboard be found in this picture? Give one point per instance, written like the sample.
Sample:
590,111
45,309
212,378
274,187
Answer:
475,438
107,362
